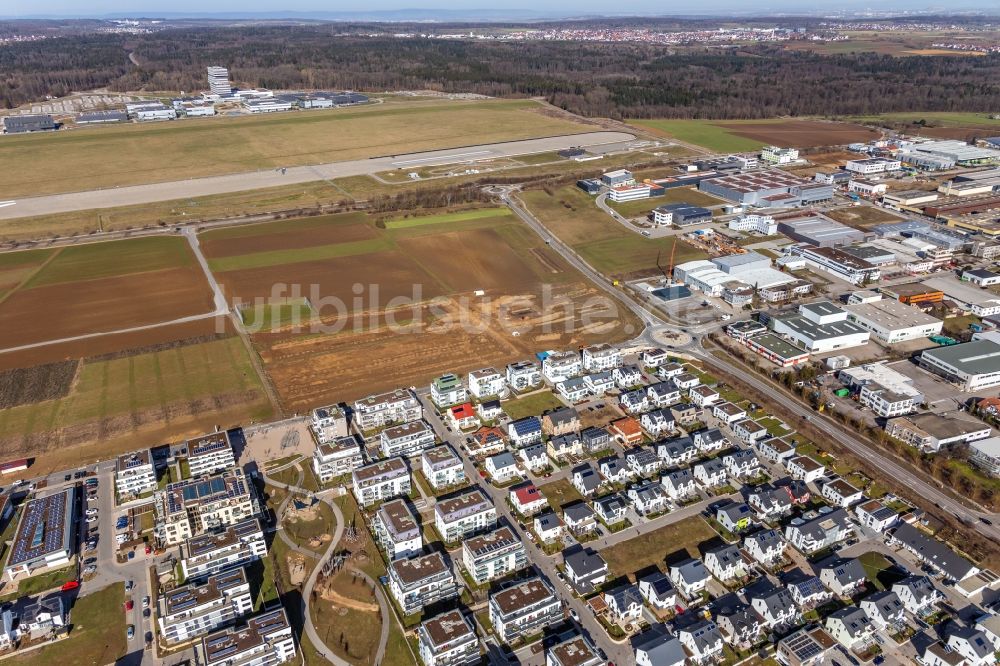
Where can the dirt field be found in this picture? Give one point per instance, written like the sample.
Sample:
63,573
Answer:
862,217
132,154
802,133
445,257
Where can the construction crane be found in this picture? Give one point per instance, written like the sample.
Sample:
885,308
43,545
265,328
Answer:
669,274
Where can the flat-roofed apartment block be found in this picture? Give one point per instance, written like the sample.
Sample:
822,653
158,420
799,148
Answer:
134,473
337,457
265,640
442,467
421,581
524,609
44,535
194,506
493,555
383,409
233,546
574,651
448,640
448,390
210,453
406,439
561,365
522,375
598,358
971,366
187,612
397,530
329,423
463,515
486,383
380,481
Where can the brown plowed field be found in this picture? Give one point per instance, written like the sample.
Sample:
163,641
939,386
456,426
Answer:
310,370
106,304
107,344
802,133
293,234
393,272
467,266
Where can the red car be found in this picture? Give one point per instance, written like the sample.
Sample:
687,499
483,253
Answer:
70,585
129,605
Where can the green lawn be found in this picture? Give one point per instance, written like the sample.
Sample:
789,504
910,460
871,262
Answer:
531,405
108,259
633,253
652,548
97,633
881,573
702,133
477,214
43,582
559,493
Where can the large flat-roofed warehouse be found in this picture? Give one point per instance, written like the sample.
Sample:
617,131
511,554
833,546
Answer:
913,293
971,366
891,322
820,327
979,302
101,117
754,189
962,153
835,262
818,230
26,124
44,537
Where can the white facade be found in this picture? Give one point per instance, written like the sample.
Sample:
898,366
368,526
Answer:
466,514
559,366
381,481
191,611
628,193
265,640
336,458
236,546
493,555
406,439
383,409
134,473
448,640
761,224
486,382
598,358
776,156
523,375
210,454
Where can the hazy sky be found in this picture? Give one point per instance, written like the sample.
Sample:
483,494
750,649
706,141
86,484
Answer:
571,7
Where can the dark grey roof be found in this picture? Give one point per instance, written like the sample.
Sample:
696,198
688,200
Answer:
19,124
934,552
662,648
585,562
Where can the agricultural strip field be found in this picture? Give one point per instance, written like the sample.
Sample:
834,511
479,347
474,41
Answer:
605,244
750,135
99,287
939,124
133,154
402,308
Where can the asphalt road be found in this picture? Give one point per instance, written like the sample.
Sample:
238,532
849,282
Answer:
239,182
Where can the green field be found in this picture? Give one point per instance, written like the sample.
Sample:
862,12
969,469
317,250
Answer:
275,315
99,260
158,380
97,636
653,548
420,221
702,133
531,405
132,154
605,244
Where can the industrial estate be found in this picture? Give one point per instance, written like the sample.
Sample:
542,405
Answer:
404,378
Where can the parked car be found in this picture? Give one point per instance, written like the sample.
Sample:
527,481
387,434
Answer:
145,602
89,570
67,477
92,519
131,632
129,584
129,604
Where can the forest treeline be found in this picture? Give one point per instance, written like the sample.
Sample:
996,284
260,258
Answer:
592,79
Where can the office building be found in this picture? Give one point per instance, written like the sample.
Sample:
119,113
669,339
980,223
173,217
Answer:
680,214
972,366
218,80
837,263
891,322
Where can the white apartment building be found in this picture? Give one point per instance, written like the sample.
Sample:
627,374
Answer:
524,609
463,515
561,365
523,375
194,506
448,640
598,358
421,581
761,224
486,383
336,458
448,390
493,555
209,454
442,467
383,409
265,640
397,530
134,473
329,423
775,156
380,481
234,546
406,439
190,611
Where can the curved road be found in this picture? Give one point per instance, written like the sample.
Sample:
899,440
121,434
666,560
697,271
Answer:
310,583
135,195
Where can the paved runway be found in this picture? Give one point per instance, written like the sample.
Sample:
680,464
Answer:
238,182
